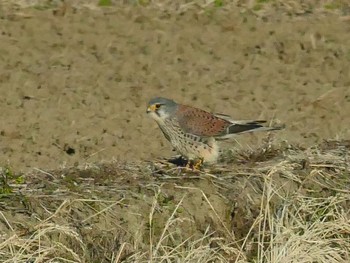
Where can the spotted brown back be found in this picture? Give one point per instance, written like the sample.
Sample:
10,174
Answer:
200,122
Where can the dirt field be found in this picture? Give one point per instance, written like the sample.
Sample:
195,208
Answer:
82,179
75,82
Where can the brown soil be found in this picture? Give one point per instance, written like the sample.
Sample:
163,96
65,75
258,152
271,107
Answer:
75,82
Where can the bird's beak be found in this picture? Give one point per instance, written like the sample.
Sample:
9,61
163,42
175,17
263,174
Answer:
151,108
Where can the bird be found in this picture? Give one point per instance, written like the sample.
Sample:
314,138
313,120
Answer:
194,132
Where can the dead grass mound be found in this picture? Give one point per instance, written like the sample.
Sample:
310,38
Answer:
270,204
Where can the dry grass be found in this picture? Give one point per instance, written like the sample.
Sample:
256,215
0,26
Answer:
271,204
304,229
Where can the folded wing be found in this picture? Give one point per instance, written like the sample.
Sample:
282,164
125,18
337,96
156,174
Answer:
205,124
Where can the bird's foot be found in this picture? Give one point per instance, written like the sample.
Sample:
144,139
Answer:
194,165
198,164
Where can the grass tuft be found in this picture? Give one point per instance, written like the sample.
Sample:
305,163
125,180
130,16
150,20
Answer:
269,204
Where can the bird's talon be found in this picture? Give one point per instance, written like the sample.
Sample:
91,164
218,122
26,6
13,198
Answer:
198,164
191,165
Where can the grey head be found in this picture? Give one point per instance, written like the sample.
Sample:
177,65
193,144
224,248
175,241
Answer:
161,108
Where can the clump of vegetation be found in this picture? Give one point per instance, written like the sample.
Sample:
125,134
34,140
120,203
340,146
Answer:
290,206
8,180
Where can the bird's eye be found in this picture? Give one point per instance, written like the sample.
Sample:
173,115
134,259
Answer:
157,106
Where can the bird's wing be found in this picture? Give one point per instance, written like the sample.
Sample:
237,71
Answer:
200,122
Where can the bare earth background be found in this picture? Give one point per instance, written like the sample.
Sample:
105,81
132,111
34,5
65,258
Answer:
82,177
75,80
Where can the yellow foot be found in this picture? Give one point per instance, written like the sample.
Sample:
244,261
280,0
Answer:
194,165
198,164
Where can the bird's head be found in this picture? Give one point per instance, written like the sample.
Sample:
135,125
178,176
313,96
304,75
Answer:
161,108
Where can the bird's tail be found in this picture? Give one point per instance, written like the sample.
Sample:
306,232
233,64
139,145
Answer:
239,127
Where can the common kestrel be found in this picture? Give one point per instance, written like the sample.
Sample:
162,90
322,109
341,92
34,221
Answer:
193,132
